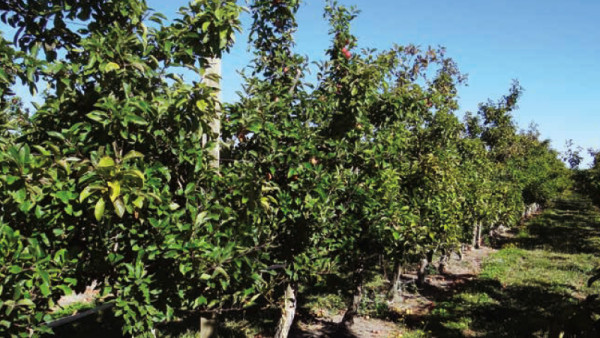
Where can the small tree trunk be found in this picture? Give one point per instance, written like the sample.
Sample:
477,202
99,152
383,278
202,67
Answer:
383,264
396,291
352,310
422,272
207,327
430,256
443,262
474,237
478,246
287,313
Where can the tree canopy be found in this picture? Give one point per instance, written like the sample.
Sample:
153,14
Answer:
109,179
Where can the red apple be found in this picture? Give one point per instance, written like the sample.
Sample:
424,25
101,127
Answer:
346,53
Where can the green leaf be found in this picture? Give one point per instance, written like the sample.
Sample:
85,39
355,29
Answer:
99,209
135,119
139,202
56,135
97,116
221,271
115,190
106,162
202,105
25,302
10,179
39,212
65,289
20,195
255,127
45,289
135,174
65,196
3,76
119,207
201,300
89,190
131,155
291,172
42,150
111,66
15,269
200,218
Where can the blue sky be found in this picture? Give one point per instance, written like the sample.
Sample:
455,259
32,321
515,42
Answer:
552,47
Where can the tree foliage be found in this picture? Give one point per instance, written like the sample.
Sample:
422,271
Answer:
110,178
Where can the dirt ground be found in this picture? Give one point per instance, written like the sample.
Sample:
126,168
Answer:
457,271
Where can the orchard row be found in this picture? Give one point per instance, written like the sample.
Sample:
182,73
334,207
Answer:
112,178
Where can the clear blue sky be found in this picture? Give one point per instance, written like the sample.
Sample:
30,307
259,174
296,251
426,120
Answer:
552,47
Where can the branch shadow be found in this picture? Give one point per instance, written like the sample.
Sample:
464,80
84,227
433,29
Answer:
570,227
327,329
486,308
481,307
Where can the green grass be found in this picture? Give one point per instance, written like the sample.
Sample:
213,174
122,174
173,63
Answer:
557,272
324,305
520,293
534,286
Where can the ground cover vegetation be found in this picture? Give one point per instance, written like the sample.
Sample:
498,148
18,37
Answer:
535,285
368,170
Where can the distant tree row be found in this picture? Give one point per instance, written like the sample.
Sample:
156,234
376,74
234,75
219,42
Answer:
587,180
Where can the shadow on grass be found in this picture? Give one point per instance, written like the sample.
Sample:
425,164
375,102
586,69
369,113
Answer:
327,329
572,226
486,308
483,307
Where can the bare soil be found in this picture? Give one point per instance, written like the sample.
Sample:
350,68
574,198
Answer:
411,306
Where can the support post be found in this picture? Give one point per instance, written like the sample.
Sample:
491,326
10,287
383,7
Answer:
212,78
287,313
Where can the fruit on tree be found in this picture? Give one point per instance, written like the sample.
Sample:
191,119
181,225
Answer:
346,53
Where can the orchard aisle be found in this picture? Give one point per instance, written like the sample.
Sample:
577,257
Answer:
534,284
401,317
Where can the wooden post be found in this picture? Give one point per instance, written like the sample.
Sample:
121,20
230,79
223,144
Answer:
212,78
207,327
287,313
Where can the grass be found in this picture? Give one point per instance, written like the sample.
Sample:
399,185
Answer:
557,272
324,305
535,285
520,293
